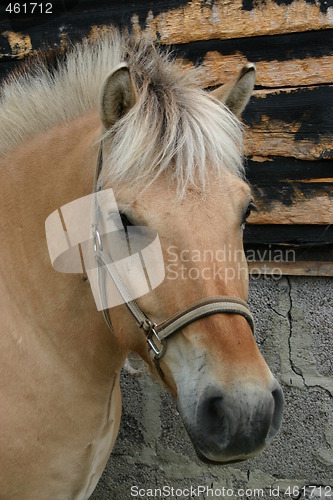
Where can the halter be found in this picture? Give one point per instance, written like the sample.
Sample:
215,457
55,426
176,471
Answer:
156,334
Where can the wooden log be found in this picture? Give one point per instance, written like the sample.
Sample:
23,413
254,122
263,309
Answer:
223,19
318,210
172,22
292,73
20,45
277,260
289,191
288,253
182,21
275,269
293,234
291,60
290,122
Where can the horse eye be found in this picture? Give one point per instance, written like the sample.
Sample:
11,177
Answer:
126,222
251,206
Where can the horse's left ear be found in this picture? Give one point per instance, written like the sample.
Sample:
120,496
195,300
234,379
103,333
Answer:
118,94
236,94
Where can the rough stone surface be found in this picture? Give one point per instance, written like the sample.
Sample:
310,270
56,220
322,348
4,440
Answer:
294,331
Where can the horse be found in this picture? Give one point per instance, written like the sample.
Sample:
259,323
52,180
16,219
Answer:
171,151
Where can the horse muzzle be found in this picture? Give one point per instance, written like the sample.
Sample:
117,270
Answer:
236,425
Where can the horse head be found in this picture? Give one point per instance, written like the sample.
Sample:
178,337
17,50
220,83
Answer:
176,133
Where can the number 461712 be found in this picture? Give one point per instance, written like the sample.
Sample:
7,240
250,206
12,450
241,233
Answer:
29,8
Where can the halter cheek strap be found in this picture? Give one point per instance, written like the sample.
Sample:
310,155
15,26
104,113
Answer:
156,334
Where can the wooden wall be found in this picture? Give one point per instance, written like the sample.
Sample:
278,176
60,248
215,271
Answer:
289,120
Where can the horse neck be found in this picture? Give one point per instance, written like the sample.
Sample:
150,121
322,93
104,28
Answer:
39,177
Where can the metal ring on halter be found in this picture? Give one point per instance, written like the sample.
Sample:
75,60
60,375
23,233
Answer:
150,332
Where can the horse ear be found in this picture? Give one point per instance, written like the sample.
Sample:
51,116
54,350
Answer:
118,94
236,94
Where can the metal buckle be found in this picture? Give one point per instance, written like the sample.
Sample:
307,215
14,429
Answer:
149,328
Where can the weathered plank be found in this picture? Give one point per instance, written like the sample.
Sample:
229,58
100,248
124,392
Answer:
296,260
288,234
179,21
288,253
278,269
317,210
223,19
19,45
290,60
291,122
175,22
279,74
290,191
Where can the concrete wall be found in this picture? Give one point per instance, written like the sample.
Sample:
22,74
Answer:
294,330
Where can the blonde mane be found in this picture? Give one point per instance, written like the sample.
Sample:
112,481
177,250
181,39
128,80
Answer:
174,125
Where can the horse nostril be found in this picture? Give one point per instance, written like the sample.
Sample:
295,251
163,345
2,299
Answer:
215,416
277,413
